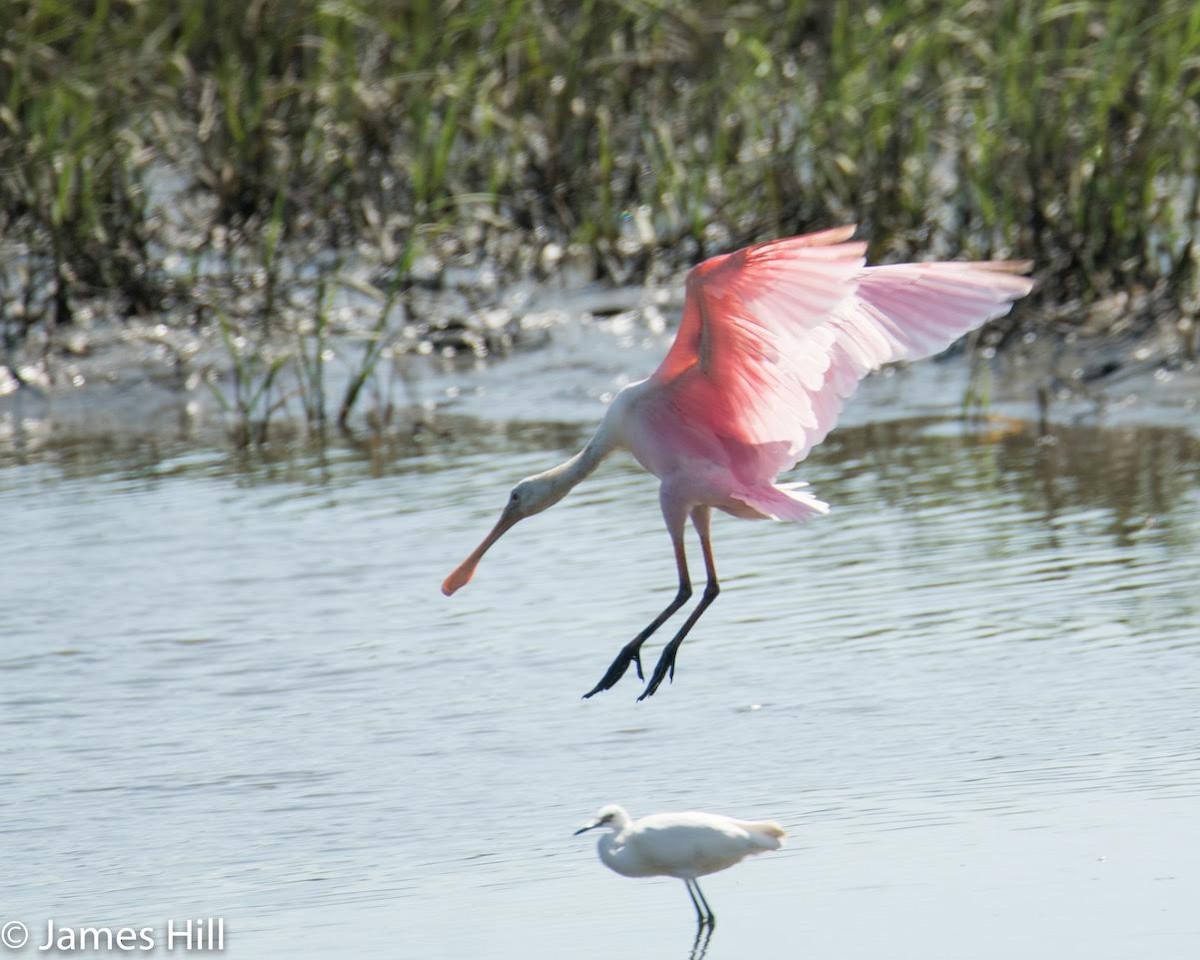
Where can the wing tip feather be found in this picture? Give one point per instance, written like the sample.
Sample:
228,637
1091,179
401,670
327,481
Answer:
1002,266
823,238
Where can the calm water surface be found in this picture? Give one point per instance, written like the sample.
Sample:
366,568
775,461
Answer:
971,694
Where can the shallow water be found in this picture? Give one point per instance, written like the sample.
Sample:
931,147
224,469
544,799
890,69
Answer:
971,694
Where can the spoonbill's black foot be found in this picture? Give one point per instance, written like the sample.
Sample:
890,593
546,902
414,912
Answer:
630,653
664,670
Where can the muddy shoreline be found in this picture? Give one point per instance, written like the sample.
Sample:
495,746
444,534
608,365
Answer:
566,350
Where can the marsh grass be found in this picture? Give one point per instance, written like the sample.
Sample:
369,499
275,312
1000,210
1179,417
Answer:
252,398
647,134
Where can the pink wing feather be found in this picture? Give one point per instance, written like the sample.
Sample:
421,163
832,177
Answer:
774,337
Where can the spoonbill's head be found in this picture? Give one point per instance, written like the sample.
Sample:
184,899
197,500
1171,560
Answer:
612,816
532,495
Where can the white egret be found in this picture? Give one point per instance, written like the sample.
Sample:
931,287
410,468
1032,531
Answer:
683,845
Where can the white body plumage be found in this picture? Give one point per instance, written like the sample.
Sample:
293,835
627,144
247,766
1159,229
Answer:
684,845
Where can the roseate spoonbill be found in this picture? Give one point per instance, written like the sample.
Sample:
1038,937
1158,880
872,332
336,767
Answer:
683,845
773,338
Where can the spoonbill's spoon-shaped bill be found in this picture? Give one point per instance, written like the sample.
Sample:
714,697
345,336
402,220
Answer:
682,845
773,339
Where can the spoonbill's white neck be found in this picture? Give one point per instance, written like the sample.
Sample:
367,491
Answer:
559,481
534,494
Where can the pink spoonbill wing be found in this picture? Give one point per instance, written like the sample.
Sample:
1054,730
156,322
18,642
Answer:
774,337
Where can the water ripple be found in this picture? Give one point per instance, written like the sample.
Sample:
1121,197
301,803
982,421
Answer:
983,631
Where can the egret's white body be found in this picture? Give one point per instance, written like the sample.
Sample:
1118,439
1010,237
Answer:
684,845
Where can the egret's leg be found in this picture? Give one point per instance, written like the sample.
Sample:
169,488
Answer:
702,519
632,651
712,917
700,917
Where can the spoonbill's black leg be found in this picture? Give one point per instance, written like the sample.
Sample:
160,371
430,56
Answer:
701,518
712,917
631,652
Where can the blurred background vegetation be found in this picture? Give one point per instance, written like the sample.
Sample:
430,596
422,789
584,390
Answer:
191,160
